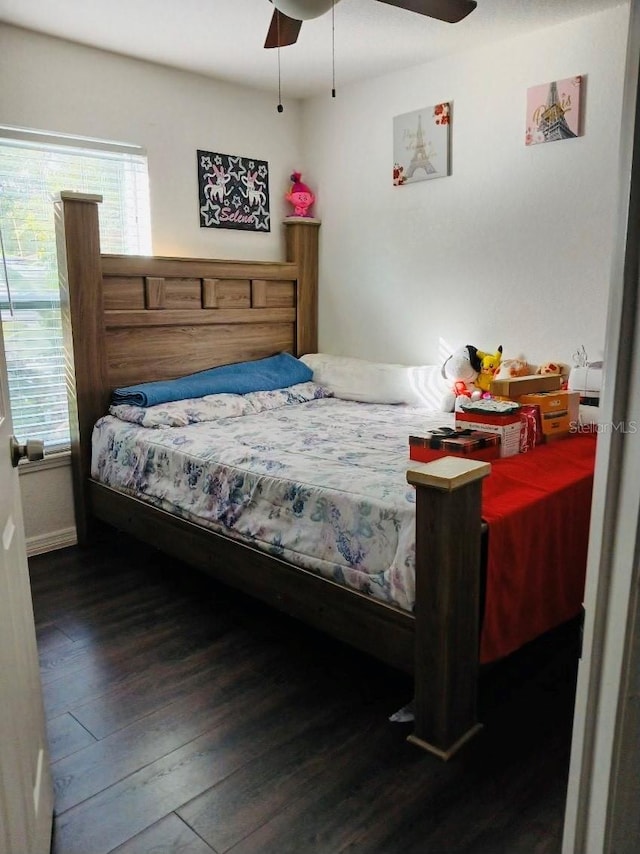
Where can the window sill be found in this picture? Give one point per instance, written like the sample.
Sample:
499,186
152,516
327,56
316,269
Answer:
53,460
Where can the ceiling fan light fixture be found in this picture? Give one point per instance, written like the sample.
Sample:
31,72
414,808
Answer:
303,10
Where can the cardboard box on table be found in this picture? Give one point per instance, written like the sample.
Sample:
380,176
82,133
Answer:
558,409
507,426
514,387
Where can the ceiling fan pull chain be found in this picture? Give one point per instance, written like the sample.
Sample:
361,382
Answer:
333,49
280,107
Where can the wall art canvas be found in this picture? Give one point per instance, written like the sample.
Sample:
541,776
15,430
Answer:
553,111
234,192
421,144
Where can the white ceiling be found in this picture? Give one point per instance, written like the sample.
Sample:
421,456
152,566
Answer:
224,38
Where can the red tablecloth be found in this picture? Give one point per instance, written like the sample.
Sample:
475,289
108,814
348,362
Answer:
538,507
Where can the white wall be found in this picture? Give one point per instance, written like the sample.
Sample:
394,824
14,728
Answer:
53,85
514,247
47,503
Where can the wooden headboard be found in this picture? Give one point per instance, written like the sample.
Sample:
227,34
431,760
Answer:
130,319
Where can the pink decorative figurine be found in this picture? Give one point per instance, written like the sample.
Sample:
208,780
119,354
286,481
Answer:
300,196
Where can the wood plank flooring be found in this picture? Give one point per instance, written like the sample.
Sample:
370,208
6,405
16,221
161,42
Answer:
184,717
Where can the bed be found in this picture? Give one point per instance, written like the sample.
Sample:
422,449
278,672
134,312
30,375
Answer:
131,319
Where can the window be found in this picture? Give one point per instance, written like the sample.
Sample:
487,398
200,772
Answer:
34,168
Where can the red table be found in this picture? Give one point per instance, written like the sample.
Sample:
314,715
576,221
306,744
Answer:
537,506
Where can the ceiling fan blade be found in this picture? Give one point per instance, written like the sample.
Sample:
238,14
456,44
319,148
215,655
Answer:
450,11
283,30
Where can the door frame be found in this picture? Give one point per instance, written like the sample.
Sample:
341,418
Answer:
603,807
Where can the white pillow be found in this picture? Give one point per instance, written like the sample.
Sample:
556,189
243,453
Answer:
374,382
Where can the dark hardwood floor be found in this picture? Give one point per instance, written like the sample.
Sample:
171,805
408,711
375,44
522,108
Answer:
186,718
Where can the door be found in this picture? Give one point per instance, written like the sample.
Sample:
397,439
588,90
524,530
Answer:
26,793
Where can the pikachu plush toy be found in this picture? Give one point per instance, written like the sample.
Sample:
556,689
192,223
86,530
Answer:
489,364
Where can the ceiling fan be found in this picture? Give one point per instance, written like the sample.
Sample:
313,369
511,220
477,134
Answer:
288,15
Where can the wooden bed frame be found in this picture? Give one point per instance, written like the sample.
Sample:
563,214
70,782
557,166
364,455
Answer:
131,319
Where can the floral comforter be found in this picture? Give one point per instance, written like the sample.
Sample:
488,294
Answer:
318,481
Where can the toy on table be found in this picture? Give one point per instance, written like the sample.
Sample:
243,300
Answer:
550,369
555,369
300,196
511,368
489,364
461,369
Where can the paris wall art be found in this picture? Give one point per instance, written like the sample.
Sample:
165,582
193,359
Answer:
421,144
233,192
553,111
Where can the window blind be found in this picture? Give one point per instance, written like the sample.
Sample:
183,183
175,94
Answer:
34,168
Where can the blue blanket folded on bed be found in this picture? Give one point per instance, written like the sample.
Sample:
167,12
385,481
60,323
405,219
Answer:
241,378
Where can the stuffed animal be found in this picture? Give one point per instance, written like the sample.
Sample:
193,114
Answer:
511,368
300,196
461,369
556,369
489,364
550,369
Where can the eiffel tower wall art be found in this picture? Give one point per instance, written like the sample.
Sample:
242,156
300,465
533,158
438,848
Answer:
421,144
553,111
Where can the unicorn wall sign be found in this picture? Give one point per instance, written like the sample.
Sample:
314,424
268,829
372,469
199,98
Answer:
234,192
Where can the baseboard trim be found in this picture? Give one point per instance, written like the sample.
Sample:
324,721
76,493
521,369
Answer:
51,541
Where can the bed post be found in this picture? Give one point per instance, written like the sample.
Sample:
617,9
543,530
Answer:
448,541
80,274
302,249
